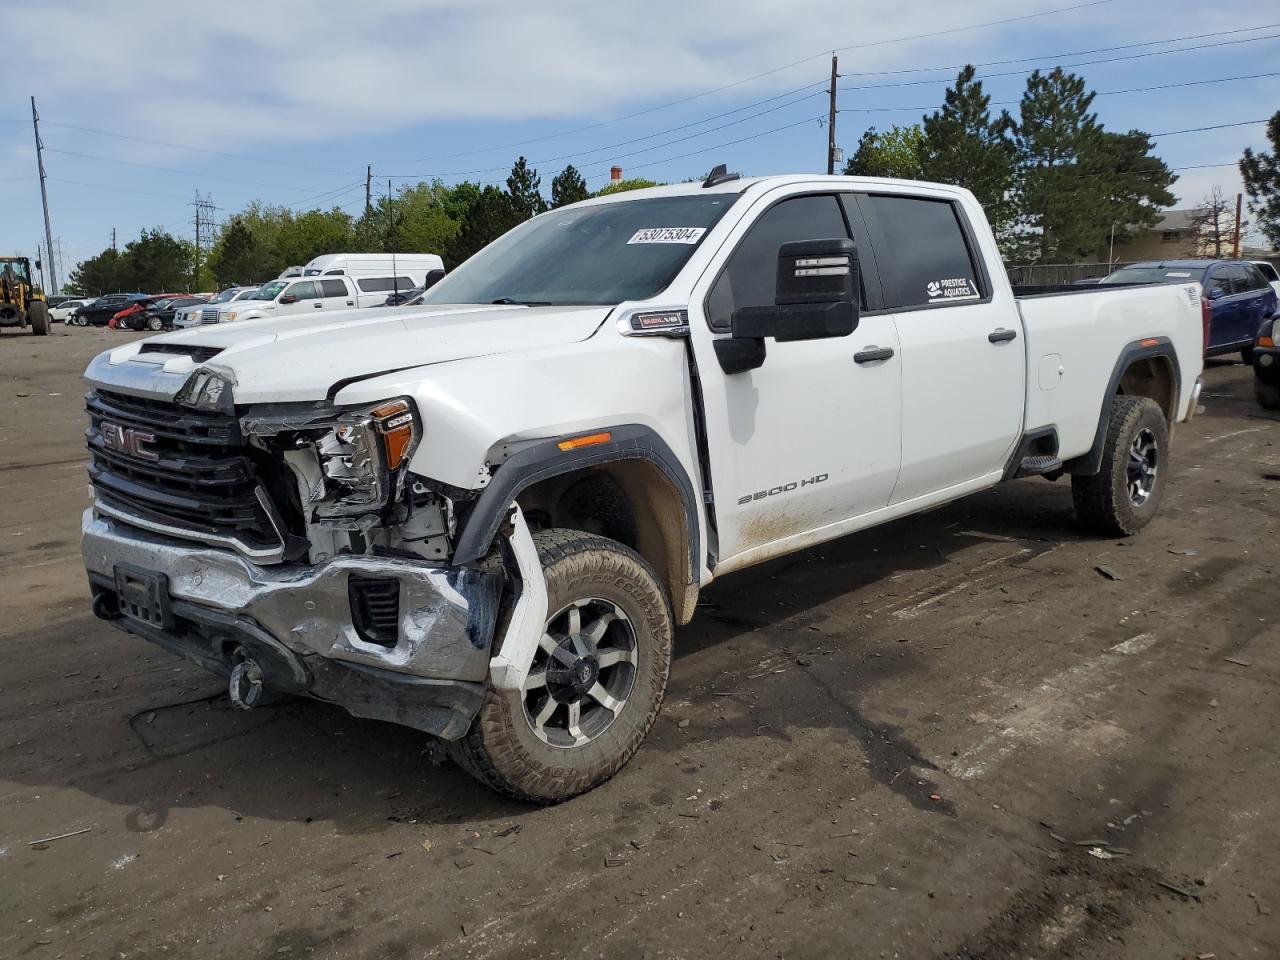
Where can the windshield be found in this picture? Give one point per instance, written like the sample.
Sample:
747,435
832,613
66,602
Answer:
225,295
627,250
269,291
246,293
14,270
1146,273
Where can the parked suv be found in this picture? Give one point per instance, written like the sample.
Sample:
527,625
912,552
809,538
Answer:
1237,295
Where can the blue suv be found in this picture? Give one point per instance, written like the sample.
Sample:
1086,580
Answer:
1238,296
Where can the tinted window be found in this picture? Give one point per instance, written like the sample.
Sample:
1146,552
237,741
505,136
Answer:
304,291
1239,280
385,284
1254,278
921,251
333,273
750,277
334,288
1268,271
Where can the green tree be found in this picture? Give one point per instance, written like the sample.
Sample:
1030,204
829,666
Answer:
621,186
524,186
157,262
1061,215
963,145
1261,172
97,275
568,187
493,213
237,256
895,153
1130,184
304,236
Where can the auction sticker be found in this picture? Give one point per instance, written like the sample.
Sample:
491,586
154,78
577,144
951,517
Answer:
668,235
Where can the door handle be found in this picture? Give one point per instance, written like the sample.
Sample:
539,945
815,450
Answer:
872,354
351,303
1002,335
318,306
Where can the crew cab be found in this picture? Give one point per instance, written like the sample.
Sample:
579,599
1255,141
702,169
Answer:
283,297
483,516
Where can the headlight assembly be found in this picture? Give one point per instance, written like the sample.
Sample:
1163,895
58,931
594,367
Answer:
207,390
362,456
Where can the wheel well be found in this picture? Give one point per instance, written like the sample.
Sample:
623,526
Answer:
1152,377
630,501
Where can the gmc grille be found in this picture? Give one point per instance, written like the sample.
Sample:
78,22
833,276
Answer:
188,471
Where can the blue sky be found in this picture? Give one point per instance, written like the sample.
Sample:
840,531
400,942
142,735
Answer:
145,102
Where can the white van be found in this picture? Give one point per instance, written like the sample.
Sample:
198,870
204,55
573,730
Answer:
379,273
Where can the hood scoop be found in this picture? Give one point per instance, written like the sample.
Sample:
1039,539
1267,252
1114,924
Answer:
197,354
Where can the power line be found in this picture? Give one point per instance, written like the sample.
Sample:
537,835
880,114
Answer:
1081,63
185,173
1096,93
1219,126
766,73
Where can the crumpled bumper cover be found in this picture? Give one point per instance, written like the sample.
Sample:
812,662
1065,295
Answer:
296,622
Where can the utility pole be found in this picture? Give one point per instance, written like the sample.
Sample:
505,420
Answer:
44,193
1236,242
831,121
40,266
368,188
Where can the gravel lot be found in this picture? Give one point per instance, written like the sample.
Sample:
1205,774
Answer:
889,746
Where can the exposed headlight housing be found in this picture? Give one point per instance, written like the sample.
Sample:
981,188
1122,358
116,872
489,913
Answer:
363,456
207,390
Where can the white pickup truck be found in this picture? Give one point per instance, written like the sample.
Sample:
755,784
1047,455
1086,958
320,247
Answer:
484,517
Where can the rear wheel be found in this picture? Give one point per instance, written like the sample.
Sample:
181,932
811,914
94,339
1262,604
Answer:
1267,395
596,682
1123,496
38,315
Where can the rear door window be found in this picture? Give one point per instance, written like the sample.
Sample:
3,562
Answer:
334,288
384,284
922,252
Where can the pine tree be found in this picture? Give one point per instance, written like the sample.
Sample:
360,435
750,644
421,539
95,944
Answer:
568,187
963,145
524,186
1056,133
1261,172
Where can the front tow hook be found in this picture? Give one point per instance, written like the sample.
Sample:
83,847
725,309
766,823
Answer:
246,684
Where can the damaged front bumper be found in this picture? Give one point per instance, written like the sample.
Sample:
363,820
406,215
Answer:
297,625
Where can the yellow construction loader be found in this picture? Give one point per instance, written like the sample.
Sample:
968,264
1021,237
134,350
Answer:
21,304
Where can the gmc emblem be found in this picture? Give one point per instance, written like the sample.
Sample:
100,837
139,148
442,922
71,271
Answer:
128,441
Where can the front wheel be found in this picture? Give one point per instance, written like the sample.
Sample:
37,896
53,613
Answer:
1267,395
38,314
155,323
596,682
1123,496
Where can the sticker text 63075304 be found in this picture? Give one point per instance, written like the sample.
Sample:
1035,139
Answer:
688,235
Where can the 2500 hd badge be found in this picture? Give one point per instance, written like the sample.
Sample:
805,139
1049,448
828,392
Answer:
785,488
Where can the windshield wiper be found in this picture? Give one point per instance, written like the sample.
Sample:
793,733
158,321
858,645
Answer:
522,303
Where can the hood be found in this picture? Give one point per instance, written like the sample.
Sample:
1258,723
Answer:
300,357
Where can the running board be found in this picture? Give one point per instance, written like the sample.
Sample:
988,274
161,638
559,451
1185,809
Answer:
1038,466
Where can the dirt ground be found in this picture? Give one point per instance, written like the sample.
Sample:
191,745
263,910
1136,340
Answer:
951,737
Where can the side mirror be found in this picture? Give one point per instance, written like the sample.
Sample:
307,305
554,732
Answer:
816,297
288,298
1216,293
433,277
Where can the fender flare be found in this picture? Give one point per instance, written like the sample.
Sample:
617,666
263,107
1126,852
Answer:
544,459
1090,463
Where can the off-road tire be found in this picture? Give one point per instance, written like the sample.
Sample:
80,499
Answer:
38,316
1268,396
502,751
1102,501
